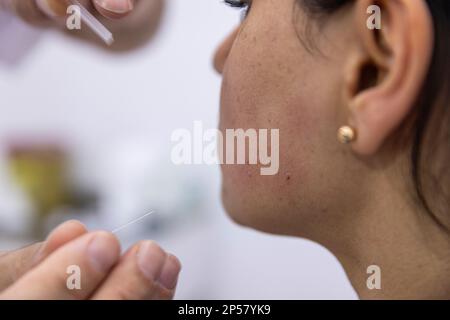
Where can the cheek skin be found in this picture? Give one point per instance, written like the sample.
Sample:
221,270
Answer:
263,88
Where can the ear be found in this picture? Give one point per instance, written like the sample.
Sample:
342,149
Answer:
387,69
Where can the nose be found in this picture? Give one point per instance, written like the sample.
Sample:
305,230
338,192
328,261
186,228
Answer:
223,51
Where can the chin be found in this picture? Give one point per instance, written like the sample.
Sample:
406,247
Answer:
249,208
234,207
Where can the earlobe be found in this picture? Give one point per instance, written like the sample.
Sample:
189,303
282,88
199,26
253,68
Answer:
391,66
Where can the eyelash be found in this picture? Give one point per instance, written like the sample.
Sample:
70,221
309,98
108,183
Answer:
240,4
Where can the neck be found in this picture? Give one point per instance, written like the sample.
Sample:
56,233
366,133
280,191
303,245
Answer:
410,249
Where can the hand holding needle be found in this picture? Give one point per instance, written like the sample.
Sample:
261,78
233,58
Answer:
132,22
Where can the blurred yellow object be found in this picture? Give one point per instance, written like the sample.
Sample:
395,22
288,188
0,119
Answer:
40,170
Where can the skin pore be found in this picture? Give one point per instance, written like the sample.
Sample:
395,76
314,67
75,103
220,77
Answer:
358,200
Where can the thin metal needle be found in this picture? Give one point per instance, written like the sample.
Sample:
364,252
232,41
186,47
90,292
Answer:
131,222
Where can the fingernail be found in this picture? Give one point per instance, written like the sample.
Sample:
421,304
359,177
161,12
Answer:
116,6
170,272
102,252
151,259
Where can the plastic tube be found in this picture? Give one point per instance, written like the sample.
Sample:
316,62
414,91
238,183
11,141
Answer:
92,22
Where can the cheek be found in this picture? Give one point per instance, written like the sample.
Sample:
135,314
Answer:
265,86
266,89
272,82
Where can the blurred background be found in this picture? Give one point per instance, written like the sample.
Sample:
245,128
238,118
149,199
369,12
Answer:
85,134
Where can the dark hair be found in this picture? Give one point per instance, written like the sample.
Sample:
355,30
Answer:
430,121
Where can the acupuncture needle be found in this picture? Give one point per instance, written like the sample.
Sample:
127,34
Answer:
126,225
92,22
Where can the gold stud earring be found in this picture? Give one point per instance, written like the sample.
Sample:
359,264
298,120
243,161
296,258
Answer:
346,134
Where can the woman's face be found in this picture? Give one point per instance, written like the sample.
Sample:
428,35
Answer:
274,79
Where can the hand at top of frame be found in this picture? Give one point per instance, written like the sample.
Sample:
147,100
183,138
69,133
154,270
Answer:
76,264
132,22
